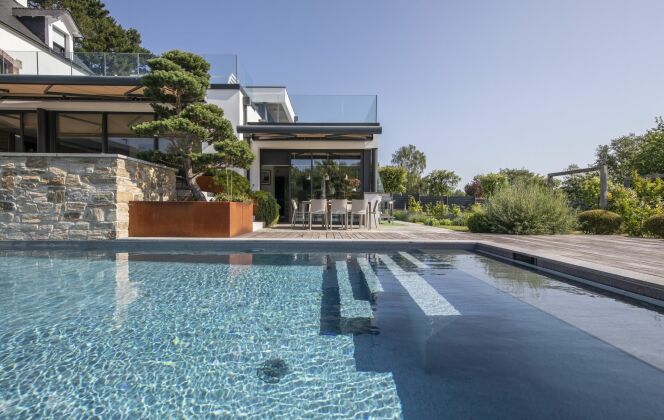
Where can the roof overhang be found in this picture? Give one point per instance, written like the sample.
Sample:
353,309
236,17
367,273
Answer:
78,87
357,132
60,14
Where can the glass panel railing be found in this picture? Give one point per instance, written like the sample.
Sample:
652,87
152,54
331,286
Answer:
335,108
224,68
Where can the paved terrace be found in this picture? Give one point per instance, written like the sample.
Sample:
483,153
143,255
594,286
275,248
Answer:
633,258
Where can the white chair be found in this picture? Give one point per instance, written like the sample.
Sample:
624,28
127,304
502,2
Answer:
359,208
374,212
318,207
339,207
295,212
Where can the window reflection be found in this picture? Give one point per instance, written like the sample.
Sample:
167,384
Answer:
10,131
122,139
30,129
79,133
329,175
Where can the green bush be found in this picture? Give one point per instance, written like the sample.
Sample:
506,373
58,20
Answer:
227,179
477,222
600,222
233,198
528,208
414,206
401,215
655,225
267,208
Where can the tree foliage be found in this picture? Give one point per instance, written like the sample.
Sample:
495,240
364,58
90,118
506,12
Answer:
177,84
101,32
393,178
414,161
441,182
486,185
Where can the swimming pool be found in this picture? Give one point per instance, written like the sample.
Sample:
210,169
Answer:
415,334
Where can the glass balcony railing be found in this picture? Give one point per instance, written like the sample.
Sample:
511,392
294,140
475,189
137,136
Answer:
335,108
224,68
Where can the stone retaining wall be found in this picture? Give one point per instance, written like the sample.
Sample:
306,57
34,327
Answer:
75,196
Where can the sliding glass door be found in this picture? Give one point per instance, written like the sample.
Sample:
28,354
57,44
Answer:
325,175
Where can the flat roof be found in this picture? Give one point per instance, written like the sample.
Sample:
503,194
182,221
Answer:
22,86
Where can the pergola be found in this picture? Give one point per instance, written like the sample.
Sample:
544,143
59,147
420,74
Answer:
603,181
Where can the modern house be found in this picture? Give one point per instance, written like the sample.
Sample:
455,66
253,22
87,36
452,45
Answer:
57,101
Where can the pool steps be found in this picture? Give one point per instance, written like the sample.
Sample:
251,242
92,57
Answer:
355,315
419,264
370,278
427,298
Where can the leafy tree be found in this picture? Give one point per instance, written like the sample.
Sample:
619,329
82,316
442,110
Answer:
393,178
441,182
177,84
649,159
618,156
414,161
101,32
522,175
486,185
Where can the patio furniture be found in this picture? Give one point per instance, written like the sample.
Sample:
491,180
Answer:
318,207
295,212
339,207
359,208
374,212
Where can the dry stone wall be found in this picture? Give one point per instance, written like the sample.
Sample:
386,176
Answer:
75,196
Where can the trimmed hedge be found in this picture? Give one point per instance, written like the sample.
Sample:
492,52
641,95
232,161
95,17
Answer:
600,222
267,207
655,225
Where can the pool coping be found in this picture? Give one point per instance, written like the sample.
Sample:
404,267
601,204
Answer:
635,285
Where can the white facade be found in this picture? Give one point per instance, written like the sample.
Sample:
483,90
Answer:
33,57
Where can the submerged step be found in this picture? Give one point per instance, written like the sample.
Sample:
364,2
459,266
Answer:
371,279
355,314
415,261
427,298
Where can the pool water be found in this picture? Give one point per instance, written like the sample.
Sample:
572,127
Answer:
417,334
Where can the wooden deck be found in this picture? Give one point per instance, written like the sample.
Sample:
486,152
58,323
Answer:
642,257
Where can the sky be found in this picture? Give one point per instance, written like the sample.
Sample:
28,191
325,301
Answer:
477,85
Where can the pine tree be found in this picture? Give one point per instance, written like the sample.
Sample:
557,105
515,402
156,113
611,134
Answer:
177,84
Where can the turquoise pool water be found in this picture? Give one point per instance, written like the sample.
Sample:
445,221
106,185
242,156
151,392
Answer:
416,334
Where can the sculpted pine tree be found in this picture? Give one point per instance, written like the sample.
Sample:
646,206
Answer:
177,83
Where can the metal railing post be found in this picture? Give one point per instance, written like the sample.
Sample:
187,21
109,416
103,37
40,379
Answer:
104,64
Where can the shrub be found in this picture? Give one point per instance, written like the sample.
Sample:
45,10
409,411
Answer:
527,208
477,222
600,222
267,208
414,205
227,179
233,198
655,225
401,215
438,210
393,178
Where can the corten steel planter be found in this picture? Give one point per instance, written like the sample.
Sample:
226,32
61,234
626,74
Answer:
207,184
191,219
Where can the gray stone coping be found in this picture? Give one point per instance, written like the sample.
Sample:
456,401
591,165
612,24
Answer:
86,155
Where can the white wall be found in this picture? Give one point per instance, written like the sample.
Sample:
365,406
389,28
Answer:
30,54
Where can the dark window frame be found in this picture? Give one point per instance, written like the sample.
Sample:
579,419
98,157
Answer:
19,147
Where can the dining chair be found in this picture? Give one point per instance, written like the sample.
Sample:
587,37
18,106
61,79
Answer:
295,212
318,207
339,207
374,212
359,208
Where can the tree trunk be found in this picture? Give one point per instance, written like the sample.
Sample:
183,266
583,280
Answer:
190,178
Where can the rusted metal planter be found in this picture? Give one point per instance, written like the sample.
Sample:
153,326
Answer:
191,219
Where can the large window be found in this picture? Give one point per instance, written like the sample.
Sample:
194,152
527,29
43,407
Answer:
30,128
10,131
121,138
330,175
78,133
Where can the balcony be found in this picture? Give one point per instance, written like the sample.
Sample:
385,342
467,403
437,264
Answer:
335,109
225,68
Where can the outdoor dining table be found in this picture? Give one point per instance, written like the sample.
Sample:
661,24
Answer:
306,204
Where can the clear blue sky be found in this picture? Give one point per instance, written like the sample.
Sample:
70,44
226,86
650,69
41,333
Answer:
477,85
